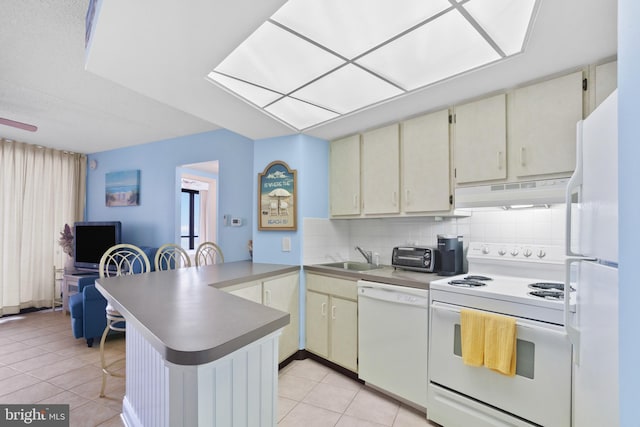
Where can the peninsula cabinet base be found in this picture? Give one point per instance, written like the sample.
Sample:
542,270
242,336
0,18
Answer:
240,389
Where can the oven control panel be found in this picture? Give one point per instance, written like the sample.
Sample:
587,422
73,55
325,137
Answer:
516,252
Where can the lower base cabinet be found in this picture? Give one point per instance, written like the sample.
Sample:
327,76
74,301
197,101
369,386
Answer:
332,320
281,293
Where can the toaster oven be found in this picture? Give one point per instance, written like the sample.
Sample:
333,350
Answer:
415,258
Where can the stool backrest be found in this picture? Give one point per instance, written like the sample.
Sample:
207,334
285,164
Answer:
170,257
123,259
209,253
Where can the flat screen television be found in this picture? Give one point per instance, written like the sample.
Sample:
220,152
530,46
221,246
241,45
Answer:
91,240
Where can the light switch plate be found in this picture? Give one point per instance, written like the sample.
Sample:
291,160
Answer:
286,244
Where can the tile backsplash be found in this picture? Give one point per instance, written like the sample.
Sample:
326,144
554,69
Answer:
328,240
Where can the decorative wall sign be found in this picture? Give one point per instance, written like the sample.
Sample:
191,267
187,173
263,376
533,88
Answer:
277,197
122,188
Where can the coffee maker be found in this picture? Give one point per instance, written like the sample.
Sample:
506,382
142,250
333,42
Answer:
450,251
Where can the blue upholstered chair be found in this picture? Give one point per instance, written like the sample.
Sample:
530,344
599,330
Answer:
87,310
87,307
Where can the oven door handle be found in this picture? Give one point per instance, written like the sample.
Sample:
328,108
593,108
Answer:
438,306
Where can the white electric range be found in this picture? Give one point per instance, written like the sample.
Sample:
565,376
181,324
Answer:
502,279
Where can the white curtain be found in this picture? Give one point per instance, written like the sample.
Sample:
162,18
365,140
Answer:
203,231
41,190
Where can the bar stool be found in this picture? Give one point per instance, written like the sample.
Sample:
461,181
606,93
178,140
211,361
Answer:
118,260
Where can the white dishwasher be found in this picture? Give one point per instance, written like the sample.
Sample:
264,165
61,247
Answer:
392,339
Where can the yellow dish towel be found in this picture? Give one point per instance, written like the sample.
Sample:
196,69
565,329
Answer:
489,340
472,337
500,344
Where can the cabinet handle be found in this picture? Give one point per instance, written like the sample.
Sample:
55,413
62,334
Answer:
499,159
267,297
394,197
333,312
522,156
406,196
323,309
355,200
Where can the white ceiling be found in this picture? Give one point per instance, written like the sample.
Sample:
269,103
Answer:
149,60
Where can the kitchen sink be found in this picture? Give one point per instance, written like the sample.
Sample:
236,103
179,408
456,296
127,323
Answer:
353,266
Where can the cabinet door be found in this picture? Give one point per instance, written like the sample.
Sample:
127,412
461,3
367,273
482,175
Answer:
251,291
606,81
282,294
344,333
381,171
344,176
480,140
317,324
425,163
542,125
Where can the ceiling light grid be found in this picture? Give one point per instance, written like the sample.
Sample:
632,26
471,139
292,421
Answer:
313,61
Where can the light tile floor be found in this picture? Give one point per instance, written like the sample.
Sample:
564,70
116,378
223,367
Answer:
41,362
312,395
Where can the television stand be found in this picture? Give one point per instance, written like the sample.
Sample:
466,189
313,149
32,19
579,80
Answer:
84,273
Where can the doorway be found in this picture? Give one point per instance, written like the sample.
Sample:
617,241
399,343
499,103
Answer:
197,204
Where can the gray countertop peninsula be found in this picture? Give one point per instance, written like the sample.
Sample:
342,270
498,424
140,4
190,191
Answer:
187,318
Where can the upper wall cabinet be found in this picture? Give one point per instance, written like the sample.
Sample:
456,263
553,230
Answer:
542,126
425,163
381,171
344,176
480,140
606,81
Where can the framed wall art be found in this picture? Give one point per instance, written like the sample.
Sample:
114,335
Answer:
122,188
277,197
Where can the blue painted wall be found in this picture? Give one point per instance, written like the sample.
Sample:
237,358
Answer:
152,223
629,206
310,158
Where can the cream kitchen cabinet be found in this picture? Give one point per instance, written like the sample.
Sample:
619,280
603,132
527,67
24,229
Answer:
250,290
381,171
425,163
542,126
480,140
280,293
606,81
344,176
332,320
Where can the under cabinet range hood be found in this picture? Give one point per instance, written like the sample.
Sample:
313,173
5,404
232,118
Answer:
541,192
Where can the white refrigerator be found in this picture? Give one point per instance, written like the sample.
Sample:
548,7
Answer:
592,268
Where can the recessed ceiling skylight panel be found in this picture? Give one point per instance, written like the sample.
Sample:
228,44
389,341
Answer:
505,21
353,27
437,50
299,114
277,60
347,89
316,60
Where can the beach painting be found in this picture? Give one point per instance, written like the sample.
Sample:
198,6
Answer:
277,197
122,188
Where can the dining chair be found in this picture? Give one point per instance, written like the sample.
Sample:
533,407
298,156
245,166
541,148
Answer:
209,253
170,257
119,260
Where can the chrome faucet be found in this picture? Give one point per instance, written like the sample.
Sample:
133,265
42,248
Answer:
366,254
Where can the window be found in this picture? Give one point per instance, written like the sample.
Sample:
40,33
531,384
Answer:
190,219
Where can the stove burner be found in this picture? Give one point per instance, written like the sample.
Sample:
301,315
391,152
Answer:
552,295
477,278
548,286
466,283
